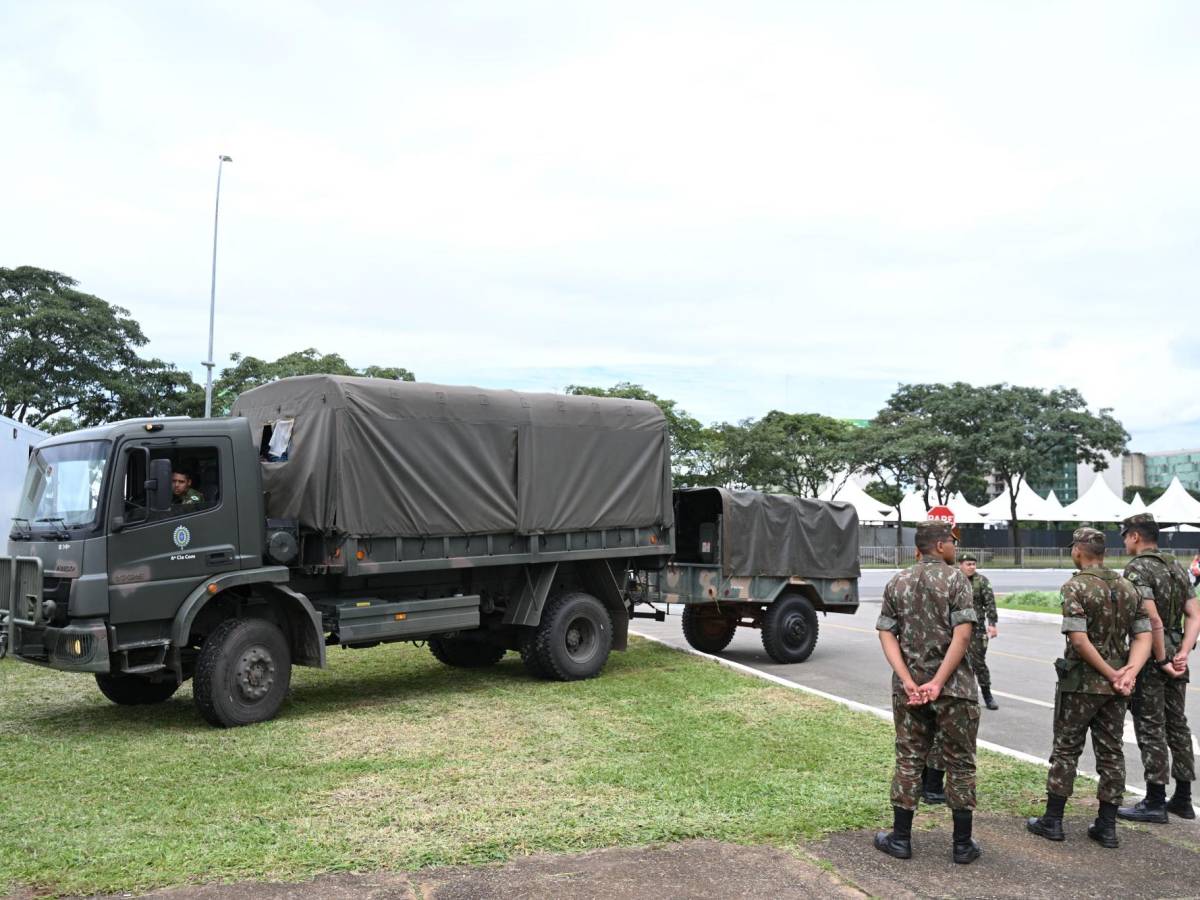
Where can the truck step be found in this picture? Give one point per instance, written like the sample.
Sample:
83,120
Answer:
367,619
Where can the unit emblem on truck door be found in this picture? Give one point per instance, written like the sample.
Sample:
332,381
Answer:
181,536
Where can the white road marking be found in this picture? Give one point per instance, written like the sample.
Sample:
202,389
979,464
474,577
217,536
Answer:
1023,699
1130,737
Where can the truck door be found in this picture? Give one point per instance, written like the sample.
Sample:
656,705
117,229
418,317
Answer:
156,559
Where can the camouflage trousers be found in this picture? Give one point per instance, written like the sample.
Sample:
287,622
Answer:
976,651
954,723
1160,722
1074,715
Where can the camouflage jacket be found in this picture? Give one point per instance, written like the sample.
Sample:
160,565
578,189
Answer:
1106,606
191,498
984,599
921,606
1160,578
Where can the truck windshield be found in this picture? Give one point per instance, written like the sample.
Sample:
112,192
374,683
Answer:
62,485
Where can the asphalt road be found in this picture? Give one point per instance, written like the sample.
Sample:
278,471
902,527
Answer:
849,663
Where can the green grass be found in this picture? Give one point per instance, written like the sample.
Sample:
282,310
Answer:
390,760
1032,601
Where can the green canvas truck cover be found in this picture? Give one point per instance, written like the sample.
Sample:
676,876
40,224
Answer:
776,534
372,457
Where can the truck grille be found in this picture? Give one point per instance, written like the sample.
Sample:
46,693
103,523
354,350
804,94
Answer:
21,588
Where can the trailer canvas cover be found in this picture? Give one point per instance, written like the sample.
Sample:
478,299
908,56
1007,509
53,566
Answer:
371,457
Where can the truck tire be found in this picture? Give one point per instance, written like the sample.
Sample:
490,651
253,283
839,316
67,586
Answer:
465,654
135,690
529,656
243,673
789,629
706,629
574,637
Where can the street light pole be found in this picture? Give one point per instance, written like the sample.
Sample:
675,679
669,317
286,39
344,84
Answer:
212,294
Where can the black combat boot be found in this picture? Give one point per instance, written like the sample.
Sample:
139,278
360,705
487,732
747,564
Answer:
932,790
898,841
966,850
987,698
1181,803
1049,825
1152,809
1104,830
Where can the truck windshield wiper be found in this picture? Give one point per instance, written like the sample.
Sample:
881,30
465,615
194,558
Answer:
64,534
18,533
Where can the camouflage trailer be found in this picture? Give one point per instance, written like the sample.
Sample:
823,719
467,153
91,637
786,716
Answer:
336,511
766,561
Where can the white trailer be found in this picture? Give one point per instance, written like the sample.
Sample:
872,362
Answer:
15,441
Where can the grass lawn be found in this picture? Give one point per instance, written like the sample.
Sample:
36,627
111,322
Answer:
1032,601
390,760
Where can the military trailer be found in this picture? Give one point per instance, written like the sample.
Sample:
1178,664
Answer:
766,561
336,511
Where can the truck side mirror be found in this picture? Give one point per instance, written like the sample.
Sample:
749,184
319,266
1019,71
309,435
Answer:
158,486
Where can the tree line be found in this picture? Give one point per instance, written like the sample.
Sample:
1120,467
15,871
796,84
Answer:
69,359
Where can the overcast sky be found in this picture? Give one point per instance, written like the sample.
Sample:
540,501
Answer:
742,206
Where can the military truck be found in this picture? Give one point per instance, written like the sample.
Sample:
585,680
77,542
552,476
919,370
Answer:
336,511
767,561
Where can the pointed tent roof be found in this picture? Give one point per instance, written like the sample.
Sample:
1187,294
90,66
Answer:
912,508
1030,506
869,509
1137,504
964,512
1052,502
1098,504
1175,505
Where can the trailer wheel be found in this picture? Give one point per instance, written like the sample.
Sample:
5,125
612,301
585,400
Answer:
243,673
707,629
135,690
465,654
573,640
789,629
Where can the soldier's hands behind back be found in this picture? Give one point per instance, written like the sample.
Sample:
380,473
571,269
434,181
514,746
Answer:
993,631
931,690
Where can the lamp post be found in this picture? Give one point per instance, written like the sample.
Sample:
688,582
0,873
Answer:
212,294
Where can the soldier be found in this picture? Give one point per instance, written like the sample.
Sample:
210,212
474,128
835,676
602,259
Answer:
985,625
924,627
183,494
1159,719
1101,613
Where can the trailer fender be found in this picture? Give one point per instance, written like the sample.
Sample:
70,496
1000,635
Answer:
302,621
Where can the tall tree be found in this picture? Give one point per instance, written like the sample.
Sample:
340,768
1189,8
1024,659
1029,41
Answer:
71,357
1022,431
250,371
688,440
797,453
884,450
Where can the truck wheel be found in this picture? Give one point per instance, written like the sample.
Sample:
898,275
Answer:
135,690
789,629
243,673
573,640
465,654
530,658
706,629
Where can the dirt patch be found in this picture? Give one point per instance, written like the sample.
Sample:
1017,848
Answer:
1152,861
694,869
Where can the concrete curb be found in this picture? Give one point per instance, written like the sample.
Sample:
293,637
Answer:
1021,615
879,713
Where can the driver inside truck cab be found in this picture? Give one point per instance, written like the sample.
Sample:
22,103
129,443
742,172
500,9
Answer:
183,495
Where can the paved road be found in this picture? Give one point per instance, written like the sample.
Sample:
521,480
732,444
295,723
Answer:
849,664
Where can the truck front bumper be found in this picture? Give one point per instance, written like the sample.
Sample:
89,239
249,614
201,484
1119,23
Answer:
81,646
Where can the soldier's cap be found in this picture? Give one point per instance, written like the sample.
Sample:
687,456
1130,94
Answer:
1090,539
1144,519
933,530
968,557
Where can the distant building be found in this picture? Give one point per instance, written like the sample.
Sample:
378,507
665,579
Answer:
1158,468
1063,480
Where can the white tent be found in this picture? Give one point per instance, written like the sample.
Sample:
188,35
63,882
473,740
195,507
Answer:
869,509
1137,504
1175,505
1030,506
1053,504
912,508
1098,504
964,512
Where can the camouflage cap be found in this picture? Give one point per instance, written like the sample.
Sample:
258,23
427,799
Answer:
1090,539
968,557
932,530
1144,519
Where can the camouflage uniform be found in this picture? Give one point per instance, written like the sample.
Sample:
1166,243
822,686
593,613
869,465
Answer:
190,497
984,601
1159,718
921,607
1101,603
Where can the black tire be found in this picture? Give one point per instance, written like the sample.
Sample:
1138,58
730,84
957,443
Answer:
135,690
706,629
243,673
530,658
574,638
789,629
465,654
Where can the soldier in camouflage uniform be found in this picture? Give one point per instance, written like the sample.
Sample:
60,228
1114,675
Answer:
924,627
1102,613
986,623
1159,719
